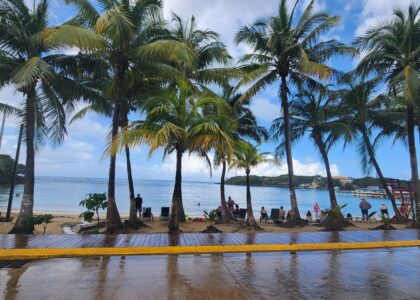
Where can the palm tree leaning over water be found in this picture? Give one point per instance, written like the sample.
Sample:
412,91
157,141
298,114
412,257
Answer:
364,116
247,157
181,121
394,54
316,115
27,62
289,50
127,30
247,128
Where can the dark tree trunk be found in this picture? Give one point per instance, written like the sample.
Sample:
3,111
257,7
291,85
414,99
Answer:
413,161
132,216
250,220
287,139
23,223
13,181
133,212
113,218
177,196
226,213
379,172
330,184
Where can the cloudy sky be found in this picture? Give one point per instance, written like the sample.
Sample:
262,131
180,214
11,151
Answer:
82,153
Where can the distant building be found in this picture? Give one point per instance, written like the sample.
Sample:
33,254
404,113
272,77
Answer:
344,179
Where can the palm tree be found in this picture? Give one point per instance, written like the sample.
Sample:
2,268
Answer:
129,30
247,157
364,115
180,121
315,114
289,50
247,127
394,55
207,50
29,59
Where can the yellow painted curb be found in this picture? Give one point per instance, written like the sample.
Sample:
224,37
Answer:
42,253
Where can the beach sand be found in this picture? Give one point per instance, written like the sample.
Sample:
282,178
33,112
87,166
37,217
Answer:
72,220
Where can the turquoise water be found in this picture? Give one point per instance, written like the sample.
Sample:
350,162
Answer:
64,194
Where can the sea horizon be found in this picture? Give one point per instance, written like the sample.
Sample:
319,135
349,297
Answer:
63,194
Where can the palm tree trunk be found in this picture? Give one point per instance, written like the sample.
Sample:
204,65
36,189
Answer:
413,161
379,171
250,220
330,183
113,218
23,223
287,139
132,218
176,196
226,213
13,181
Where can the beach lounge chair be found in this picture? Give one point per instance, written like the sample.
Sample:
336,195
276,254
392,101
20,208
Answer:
242,214
147,214
164,213
275,215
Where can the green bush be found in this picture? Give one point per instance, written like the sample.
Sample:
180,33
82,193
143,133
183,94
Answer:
41,220
93,203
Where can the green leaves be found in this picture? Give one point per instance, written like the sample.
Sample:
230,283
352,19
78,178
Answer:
31,71
68,36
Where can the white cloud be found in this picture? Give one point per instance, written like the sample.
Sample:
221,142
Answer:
265,110
194,168
300,168
375,11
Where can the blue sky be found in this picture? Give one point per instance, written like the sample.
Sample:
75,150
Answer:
82,153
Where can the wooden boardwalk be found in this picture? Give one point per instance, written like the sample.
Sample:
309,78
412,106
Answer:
43,246
9,241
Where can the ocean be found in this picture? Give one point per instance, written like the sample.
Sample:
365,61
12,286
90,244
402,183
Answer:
64,194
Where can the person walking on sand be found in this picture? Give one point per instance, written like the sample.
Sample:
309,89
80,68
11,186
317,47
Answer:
316,210
139,204
364,207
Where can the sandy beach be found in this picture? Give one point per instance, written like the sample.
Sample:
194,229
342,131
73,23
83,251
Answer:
72,221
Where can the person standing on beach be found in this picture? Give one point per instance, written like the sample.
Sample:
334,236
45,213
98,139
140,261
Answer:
231,204
316,210
139,204
364,207
282,213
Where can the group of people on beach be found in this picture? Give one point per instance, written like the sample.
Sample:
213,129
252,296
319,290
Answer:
320,216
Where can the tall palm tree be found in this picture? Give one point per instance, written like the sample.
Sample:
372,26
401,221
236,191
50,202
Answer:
180,121
315,115
247,157
31,61
129,30
394,55
207,50
247,128
364,115
289,50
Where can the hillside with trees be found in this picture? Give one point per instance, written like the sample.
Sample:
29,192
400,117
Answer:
6,170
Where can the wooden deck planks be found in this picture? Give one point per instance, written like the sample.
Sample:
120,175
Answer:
199,239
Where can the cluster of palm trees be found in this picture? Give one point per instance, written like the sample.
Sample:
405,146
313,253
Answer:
190,99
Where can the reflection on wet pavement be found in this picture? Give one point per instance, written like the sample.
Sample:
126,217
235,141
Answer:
375,274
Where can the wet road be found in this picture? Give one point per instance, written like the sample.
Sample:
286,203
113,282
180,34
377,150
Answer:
373,274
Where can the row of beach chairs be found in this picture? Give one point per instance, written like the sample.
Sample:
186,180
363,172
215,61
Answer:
274,215
147,214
